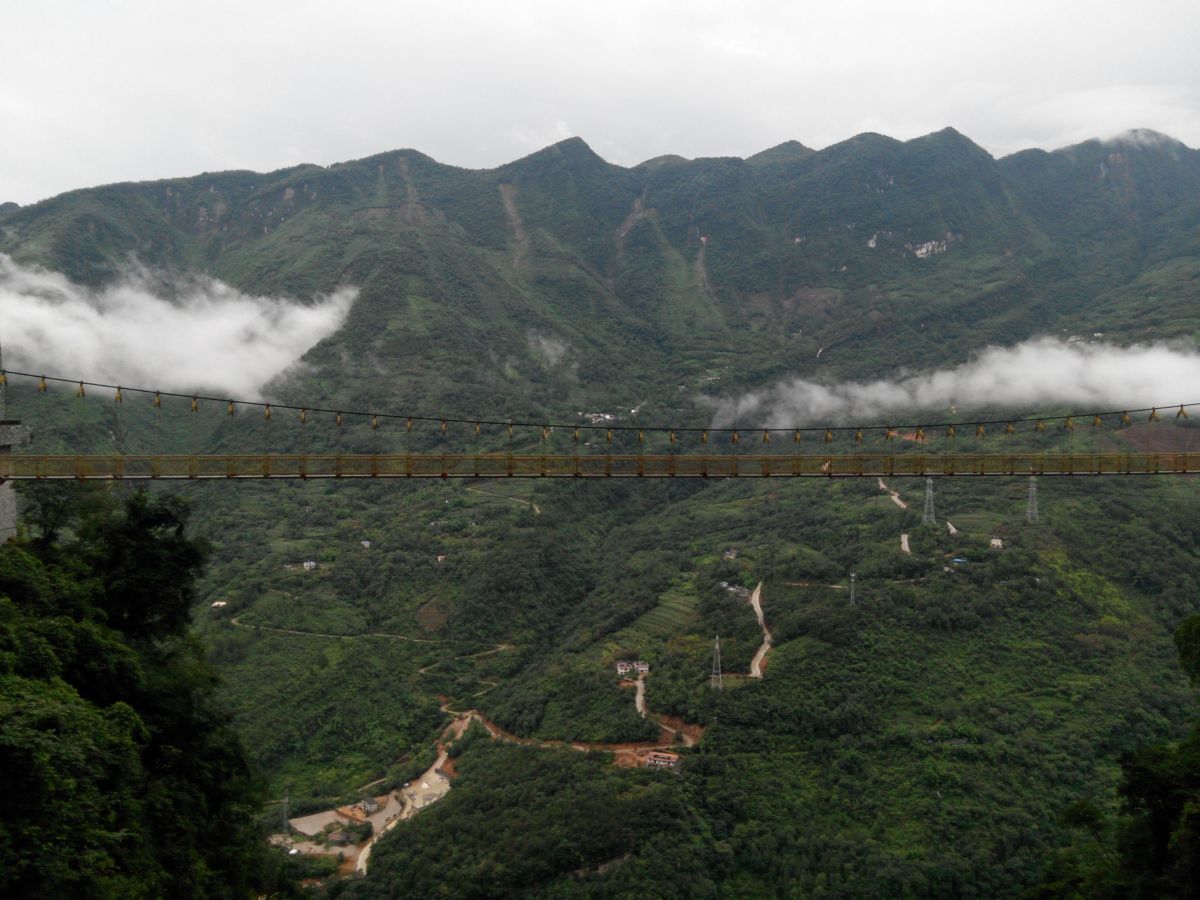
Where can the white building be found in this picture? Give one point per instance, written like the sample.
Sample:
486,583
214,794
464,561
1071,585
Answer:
661,759
625,666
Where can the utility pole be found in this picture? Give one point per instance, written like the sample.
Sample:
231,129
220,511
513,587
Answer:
853,577
717,682
1031,509
927,515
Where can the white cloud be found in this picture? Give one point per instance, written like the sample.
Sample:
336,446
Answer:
188,333
550,349
1035,374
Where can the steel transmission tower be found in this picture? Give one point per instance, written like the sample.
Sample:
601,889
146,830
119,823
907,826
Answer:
853,577
927,515
717,683
1031,510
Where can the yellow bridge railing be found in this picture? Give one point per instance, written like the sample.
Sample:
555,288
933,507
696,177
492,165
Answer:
32,467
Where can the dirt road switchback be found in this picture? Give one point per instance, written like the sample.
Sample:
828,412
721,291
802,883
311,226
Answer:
756,664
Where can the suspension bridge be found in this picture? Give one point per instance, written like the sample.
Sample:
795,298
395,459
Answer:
197,467
906,450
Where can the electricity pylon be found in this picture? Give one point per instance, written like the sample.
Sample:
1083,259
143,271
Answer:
928,516
717,683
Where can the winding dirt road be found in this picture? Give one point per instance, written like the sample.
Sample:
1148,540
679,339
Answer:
434,783
537,511
237,622
895,495
756,664
499,648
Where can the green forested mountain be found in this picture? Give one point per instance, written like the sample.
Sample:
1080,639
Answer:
929,741
673,268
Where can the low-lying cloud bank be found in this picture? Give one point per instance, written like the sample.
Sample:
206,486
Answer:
1035,374
190,333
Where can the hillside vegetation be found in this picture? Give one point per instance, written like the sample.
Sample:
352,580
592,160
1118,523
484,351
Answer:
928,741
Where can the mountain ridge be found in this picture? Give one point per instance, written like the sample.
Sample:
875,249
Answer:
765,262
787,151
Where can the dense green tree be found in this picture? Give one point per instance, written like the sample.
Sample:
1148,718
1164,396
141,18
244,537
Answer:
119,774
1157,846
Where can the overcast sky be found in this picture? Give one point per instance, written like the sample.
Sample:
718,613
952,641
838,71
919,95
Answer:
95,92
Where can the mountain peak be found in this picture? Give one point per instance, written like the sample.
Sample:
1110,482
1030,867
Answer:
574,152
1144,137
950,138
788,151
864,141
573,144
657,162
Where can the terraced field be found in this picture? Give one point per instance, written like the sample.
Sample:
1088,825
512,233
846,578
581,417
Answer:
674,615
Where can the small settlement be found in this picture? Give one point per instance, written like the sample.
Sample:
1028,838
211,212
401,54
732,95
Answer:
625,666
662,759
341,832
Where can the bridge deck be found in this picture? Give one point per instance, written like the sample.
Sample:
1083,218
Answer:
33,467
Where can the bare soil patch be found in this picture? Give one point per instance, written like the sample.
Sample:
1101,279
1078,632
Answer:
1160,437
432,617
691,732
508,193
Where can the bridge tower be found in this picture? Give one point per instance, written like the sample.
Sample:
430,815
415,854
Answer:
11,434
927,514
717,683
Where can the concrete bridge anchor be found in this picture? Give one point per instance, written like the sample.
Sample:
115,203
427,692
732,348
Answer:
12,433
